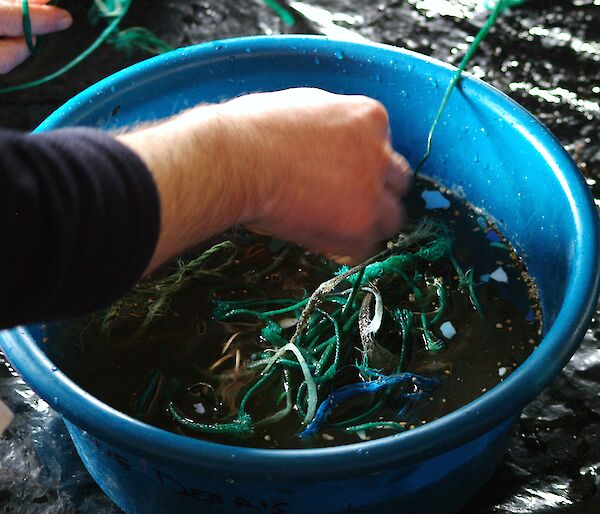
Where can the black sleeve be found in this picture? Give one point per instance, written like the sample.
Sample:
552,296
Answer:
79,221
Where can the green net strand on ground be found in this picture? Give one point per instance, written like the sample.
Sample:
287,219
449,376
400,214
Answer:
284,14
140,38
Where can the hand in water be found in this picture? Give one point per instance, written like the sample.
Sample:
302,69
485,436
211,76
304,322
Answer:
329,178
44,20
304,165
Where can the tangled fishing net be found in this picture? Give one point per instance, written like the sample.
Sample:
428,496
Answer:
334,358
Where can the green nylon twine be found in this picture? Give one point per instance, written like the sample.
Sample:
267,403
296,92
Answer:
286,16
113,10
498,8
502,4
27,27
138,37
81,57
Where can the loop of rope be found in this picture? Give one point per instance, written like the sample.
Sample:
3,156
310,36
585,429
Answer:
27,28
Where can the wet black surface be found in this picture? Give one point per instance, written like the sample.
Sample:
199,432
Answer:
545,55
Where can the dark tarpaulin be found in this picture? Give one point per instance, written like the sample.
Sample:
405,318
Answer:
545,55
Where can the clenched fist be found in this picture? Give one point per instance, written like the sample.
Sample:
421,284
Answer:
304,165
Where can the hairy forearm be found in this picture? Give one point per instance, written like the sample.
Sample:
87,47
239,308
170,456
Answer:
201,191
303,165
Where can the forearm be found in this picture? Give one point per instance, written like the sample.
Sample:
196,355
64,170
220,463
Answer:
304,165
192,159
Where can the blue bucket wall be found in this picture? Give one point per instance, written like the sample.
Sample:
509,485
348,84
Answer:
140,486
487,147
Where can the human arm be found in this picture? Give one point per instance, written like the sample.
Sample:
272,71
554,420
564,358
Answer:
303,164
44,20
83,214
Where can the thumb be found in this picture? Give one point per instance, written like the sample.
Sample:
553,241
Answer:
44,19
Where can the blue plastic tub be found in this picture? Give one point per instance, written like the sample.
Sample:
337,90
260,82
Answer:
494,151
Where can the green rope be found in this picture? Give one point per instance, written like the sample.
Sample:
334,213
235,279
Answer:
255,275
441,292
308,378
27,27
138,37
286,16
499,6
219,315
355,289
466,283
432,343
150,299
141,405
278,416
77,60
404,320
389,425
241,426
124,40
376,407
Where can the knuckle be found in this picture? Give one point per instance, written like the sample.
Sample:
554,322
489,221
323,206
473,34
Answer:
375,112
310,92
382,158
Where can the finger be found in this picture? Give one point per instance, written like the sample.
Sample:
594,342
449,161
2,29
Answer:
31,2
390,216
347,250
399,175
345,260
44,19
348,253
13,51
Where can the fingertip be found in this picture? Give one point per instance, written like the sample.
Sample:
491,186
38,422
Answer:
348,251
345,260
65,20
47,19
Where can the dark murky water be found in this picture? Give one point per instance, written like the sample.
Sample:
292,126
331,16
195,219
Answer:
545,55
139,371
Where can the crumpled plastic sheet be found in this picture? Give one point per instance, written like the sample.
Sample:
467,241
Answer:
552,464
546,56
40,472
553,461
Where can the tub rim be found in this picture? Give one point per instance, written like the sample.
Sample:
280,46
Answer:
484,413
